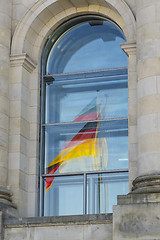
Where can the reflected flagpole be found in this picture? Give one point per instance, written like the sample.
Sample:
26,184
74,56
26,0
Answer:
99,155
100,147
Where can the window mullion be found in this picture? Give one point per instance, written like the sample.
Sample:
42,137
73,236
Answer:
41,195
85,194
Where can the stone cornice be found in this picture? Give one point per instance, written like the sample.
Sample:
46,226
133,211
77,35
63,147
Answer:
129,48
22,60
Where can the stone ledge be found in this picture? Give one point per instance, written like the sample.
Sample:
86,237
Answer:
136,221
129,48
59,220
22,60
134,198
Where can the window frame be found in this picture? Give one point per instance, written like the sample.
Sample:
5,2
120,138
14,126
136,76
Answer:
50,79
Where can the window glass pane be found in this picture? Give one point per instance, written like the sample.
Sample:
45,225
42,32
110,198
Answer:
102,191
90,45
86,146
87,97
84,118
65,196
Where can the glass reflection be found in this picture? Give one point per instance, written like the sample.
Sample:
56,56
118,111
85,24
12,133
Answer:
65,196
90,45
85,121
107,96
102,191
86,146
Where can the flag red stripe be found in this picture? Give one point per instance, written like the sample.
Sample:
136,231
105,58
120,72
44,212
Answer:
49,180
86,117
82,136
87,132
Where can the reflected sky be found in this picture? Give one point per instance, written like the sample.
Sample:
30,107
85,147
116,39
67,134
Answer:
109,94
92,45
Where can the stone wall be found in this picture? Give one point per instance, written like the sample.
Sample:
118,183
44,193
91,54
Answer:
25,26
70,228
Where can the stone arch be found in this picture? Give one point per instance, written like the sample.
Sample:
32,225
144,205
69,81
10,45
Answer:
44,17
27,43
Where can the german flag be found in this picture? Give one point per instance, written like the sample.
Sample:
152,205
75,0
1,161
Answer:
89,113
82,144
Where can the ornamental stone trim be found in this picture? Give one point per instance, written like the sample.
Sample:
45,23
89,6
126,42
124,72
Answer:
23,60
36,12
6,197
7,207
129,48
147,184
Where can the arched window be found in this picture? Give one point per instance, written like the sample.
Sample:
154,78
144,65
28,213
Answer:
84,118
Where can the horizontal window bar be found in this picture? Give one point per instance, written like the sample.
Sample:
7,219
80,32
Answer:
83,80
82,173
86,73
65,123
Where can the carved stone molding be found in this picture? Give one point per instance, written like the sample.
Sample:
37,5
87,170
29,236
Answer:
6,205
22,60
147,184
129,48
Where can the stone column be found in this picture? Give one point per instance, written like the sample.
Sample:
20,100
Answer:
136,216
148,71
22,148
5,37
130,49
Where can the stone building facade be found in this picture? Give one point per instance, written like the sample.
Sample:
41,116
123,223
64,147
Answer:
25,26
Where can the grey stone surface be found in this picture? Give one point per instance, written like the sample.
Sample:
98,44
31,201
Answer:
135,198
137,216
6,205
148,36
60,220
5,39
60,228
1,226
136,221
147,183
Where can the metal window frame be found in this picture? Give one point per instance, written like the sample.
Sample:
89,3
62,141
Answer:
42,176
85,175
50,78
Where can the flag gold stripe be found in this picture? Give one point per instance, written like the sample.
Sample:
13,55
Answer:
86,148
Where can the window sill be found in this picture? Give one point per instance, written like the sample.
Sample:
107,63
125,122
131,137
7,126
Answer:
59,220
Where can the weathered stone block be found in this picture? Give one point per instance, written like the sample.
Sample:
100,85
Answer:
1,226
137,217
59,228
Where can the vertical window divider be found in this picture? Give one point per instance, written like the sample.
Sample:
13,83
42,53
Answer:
41,147
85,194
